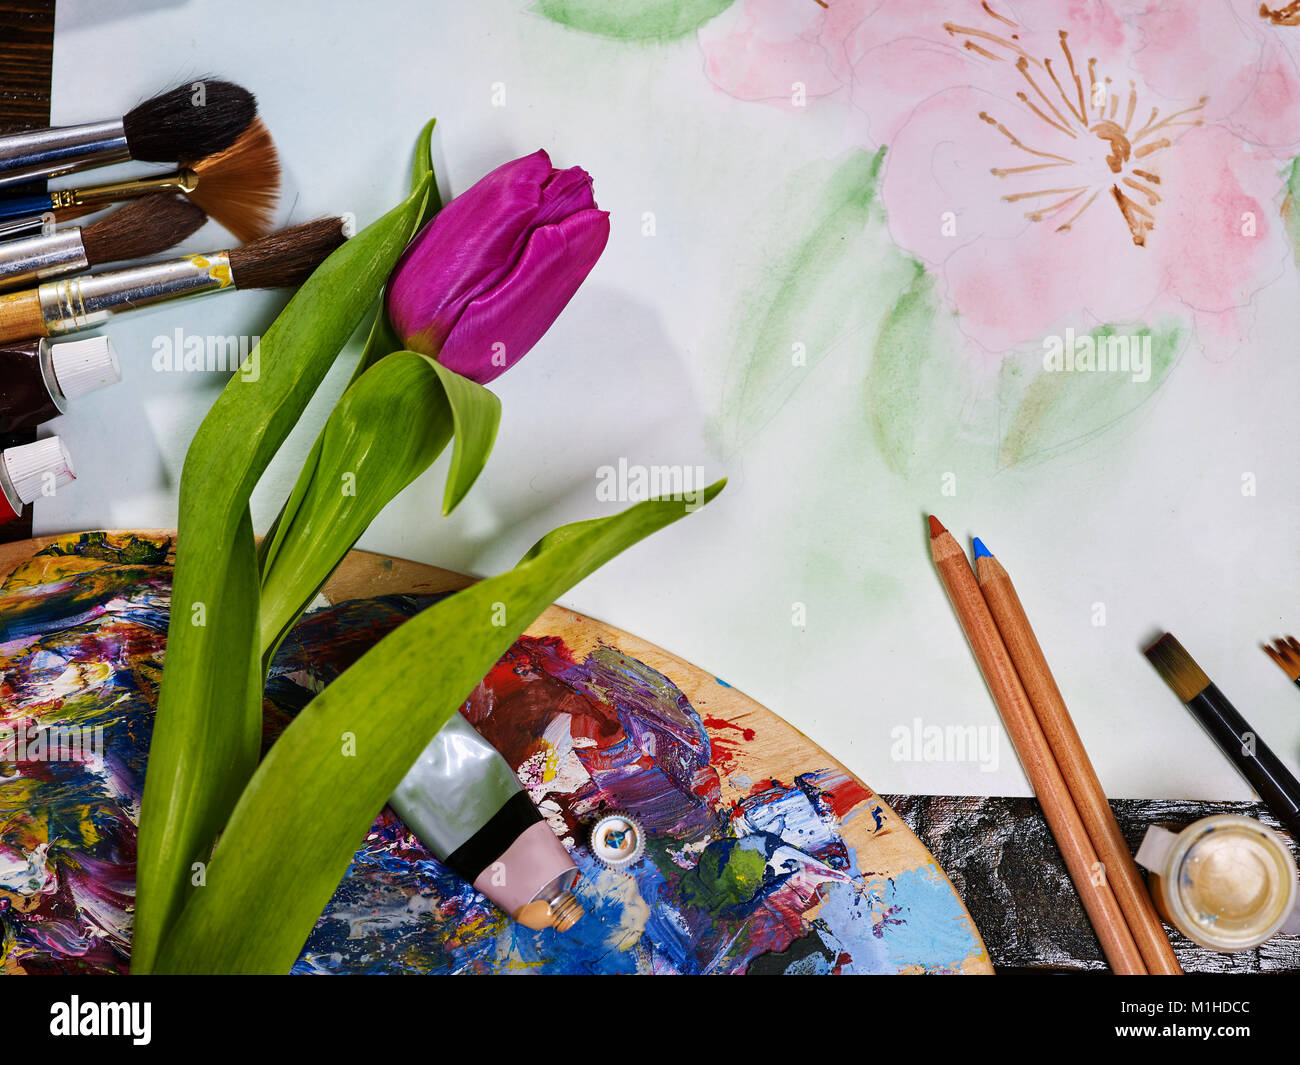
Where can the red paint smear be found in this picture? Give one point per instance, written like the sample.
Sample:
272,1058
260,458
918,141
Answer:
845,794
725,751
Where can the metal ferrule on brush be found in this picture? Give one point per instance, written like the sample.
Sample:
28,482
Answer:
77,303
17,228
61,150
34,258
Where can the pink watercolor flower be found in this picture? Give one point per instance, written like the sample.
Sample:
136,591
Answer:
1058,162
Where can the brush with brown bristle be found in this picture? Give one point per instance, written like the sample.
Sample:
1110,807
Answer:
284,259
238,187
202,116
1286,653
145,227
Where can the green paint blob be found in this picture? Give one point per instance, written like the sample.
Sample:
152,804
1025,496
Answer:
729,874
633,20
1046,412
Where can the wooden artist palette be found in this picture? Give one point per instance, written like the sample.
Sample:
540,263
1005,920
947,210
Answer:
764,853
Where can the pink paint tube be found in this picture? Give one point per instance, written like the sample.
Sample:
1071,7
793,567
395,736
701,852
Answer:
464,802
30,471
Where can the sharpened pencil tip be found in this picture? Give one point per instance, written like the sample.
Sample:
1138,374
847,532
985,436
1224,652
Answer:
980,550
936,527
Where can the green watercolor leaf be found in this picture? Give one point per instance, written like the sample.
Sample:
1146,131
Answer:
825,272
913,386
207,731
386,430
633,20
280,859
1291,208
1046,412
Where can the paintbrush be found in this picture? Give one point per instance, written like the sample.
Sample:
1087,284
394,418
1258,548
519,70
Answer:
237,187
145,227
17,228
190,121
1034,753
284,259
1239,742
1286,653
1080,777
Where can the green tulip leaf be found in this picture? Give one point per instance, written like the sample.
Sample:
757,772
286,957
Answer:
311,801
633,20
207,731
386,430
477,414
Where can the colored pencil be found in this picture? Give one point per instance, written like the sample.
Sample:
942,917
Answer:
1080,777
1034,753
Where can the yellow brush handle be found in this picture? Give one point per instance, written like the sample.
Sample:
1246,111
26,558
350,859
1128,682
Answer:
21,317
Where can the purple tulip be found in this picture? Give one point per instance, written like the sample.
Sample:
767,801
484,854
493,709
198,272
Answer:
483,281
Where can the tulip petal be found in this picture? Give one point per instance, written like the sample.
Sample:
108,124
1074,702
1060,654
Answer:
522,308
467,248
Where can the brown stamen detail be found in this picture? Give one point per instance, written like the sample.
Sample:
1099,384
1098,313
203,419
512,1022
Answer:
1013,197
1078,85
1132,105
1282,16
1001,18
1075,217
1168,121
1140,220
1037,216
1004,171
1024,99
1154,146
973,47
1108,131
954,29
1152,196
1047,65
1022,65
1153,178
985,116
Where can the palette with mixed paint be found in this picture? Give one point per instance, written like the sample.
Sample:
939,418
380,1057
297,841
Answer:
764,855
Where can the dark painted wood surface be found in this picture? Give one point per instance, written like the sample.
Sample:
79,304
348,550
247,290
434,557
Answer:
26,63
1003,861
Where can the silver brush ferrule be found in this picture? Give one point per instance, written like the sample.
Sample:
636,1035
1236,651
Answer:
36,258
17,228
78,303
61,150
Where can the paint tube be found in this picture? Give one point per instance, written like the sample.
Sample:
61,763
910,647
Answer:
37,378
31,470
464,802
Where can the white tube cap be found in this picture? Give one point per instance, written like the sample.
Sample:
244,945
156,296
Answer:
84,366
35,469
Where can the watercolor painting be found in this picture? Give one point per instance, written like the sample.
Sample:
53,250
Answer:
1114,171
740,875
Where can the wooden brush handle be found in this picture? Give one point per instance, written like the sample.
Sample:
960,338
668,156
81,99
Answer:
1036,757
20,316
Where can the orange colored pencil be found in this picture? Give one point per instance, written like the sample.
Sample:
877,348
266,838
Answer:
1085,789
1035,755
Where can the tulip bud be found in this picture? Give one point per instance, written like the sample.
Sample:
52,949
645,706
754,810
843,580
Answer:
485,278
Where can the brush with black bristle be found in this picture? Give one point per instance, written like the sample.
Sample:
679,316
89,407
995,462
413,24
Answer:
238,187
1233,734
142,228
1286,653
284,259
190,121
